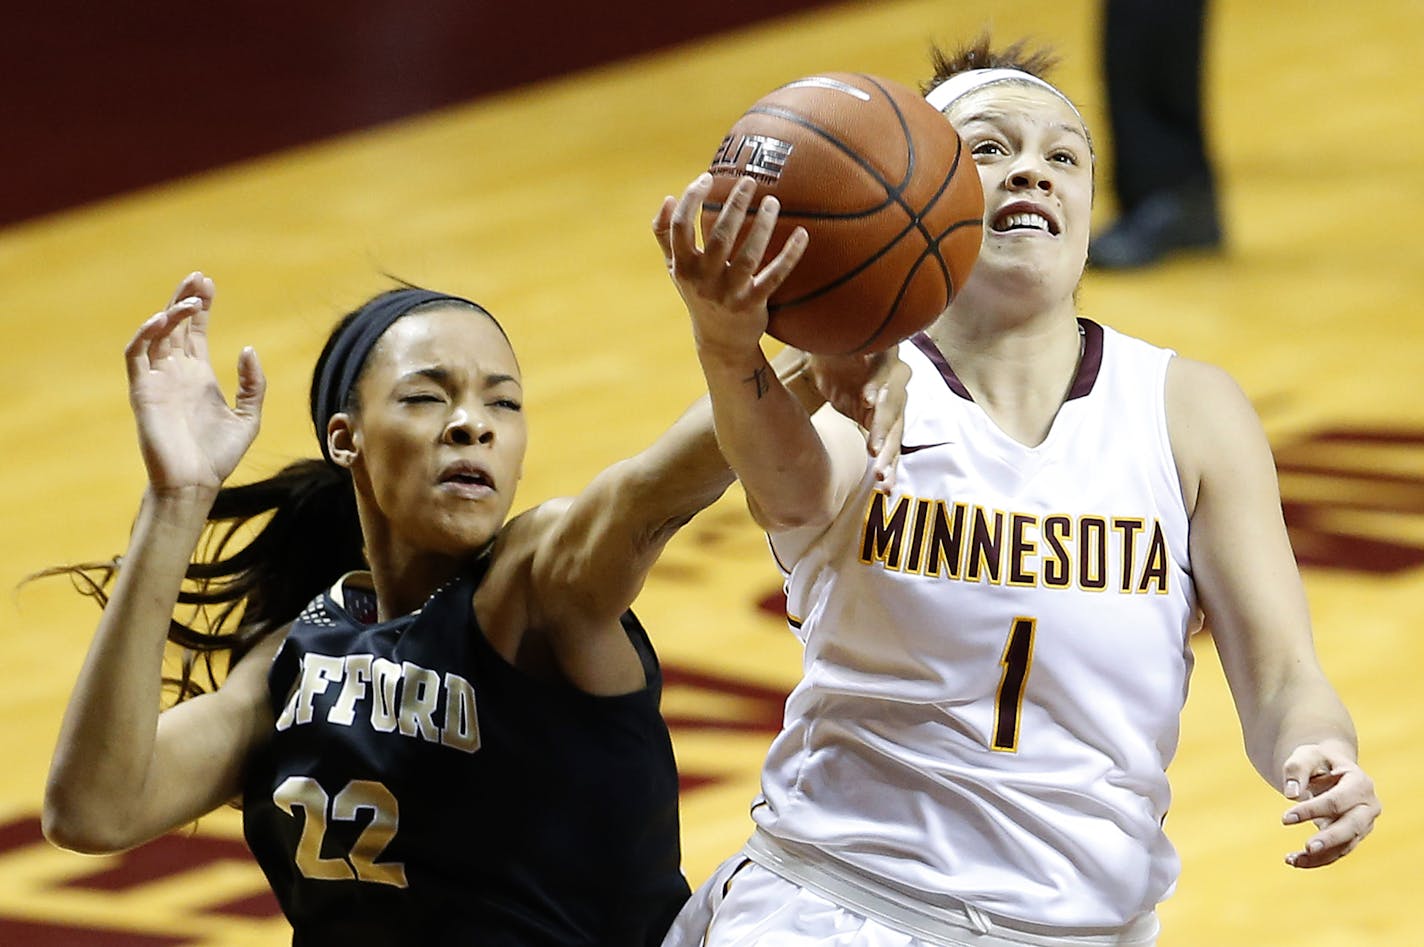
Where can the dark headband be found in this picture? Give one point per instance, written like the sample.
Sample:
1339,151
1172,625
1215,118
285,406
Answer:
347,352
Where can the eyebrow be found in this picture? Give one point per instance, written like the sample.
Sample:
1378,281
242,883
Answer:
1074,130
991,116
442,376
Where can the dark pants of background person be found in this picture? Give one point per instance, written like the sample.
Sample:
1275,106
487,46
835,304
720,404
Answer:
1152,59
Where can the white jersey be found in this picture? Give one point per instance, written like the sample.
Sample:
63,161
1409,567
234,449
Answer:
997,656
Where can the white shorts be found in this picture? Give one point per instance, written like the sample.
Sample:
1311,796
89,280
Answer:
745,904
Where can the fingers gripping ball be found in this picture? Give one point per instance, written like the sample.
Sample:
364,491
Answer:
889,197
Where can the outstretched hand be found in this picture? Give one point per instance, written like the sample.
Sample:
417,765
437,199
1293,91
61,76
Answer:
189,436
1333,791
871,390
724,284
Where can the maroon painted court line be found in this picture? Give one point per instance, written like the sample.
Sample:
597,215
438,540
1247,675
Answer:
37,934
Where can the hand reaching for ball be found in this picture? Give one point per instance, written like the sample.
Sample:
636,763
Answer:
889,198
724,284
726,295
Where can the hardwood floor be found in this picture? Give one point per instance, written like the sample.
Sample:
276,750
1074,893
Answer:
536,201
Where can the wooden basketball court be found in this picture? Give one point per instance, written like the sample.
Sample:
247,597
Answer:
537,201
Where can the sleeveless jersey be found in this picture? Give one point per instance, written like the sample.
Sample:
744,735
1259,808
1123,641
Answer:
418,789
997,654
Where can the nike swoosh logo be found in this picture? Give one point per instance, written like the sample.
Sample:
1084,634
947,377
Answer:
912,448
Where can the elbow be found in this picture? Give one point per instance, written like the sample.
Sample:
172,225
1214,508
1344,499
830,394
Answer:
793,502
786,519
78,828
791,512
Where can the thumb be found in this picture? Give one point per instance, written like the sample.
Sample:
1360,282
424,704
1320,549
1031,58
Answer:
1304,763
662,229
879,418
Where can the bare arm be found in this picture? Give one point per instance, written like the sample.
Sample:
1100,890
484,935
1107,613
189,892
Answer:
596,549
792,477
121,773
1297,732
593,552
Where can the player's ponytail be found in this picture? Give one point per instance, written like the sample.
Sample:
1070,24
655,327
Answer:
268,548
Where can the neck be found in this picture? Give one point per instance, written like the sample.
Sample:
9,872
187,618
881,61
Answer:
404,575
403,584
1019,373
998,344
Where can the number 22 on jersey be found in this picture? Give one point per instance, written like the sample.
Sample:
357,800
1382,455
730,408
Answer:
318,808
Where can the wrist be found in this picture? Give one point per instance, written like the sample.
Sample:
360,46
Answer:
179,505
793,368
1338,747
731,361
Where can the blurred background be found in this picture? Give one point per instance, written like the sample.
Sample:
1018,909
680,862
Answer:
302,153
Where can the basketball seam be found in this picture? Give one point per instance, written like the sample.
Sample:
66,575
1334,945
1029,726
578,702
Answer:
916,217
931,249
894,196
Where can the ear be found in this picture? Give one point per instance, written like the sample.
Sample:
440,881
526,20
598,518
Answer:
343,441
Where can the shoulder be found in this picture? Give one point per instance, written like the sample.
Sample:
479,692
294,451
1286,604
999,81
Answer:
258,659
1199,393
1125,360
520,540
1214,429
523,532
503,597
245,695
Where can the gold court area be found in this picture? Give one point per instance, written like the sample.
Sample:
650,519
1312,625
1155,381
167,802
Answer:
537,203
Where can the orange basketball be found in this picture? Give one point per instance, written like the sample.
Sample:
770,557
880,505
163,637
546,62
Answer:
884,188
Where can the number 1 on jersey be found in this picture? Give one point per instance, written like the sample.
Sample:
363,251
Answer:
1008,702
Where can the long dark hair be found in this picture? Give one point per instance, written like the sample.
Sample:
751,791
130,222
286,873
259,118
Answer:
268,548
307,535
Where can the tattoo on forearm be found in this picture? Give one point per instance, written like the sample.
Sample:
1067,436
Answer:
758,379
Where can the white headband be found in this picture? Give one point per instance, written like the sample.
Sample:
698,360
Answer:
947,92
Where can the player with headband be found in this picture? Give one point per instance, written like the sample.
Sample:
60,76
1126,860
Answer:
443,723
997,634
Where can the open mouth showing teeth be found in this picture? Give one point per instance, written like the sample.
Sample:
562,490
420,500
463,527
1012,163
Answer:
1024,221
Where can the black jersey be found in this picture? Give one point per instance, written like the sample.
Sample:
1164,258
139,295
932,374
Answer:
418,789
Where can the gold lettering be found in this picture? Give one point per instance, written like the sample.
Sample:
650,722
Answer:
1093,553
1021,549
883,537
1058,567
1154,572
420,692
385,675
1129,529
986,547
358,673
461,729
946,541
917,535
938,539
318,671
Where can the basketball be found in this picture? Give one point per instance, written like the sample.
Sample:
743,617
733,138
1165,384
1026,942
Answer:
881,183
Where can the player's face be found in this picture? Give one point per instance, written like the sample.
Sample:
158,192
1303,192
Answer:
440,431
1036,166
